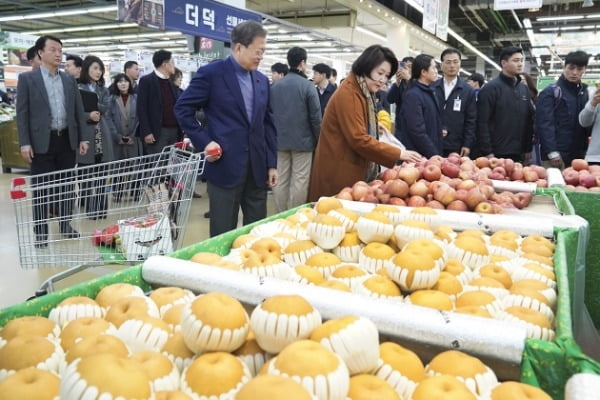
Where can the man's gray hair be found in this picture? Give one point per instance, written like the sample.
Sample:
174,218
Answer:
245,32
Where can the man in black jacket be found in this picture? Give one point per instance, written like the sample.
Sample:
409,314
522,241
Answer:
321,75
396,93
459,108
505,113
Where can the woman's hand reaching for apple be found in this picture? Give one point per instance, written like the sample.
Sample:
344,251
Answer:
410,156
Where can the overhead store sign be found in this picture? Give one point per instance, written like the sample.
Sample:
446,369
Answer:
435,17
516,4
194,17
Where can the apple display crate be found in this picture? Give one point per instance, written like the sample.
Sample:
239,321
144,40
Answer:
122,211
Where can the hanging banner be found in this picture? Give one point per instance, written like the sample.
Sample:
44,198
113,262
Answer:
441,30
516,4
205,18
194,17
430,15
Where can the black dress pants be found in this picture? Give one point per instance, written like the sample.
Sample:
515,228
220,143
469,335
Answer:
225,204
55,191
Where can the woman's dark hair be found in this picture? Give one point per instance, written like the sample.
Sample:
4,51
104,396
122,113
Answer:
245,33
85,70
371,58
531,85
114,90
420,63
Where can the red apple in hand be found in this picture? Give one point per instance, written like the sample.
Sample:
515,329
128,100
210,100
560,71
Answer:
578,164
484,208
416,201
432,172
409,174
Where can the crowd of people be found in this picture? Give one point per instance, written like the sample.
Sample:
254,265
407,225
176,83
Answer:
303,138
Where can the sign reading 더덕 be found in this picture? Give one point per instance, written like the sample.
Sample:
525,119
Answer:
205,18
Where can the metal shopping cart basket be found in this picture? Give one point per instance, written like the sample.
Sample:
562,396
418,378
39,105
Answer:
120,212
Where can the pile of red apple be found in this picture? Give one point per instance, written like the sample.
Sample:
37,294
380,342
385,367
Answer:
453,183
582,177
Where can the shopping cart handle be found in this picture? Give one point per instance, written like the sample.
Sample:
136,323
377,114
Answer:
15,193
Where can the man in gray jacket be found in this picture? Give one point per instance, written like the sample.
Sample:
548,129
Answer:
297,117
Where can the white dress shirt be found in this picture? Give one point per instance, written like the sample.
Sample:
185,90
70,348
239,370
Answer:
449,86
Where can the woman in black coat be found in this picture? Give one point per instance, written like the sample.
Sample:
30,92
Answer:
421,114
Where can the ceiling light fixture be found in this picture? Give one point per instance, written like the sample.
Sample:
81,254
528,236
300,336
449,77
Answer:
59,13
563,18
82,28
588,3
371,33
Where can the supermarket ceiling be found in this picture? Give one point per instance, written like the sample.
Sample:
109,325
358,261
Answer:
334,28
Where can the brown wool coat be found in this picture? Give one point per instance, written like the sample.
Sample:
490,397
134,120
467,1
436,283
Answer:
345,147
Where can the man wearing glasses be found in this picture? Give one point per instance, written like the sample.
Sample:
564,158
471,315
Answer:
239,137
458,105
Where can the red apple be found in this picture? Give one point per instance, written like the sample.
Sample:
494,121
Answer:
542,183
500,170
376,183
435,204
432,172
397,188
383,198
450,170
454,182
522,199
359,190
594,169
494,162
529,174
570,187
595,189
509,166
578,164
588,180
497,176
454,158
487,190
482,162
571,176
484,208
416,201
464,175
461,194
497,208
466,184
517,174
465,159
457,205
409,174
474,197
397,201
389,174
444,194
418,189
541,171
370,198
468,166
581,189
345,195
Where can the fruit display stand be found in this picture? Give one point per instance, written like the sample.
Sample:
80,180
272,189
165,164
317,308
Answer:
544,364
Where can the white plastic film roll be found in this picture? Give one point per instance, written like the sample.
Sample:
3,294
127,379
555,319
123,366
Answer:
582,387
487,338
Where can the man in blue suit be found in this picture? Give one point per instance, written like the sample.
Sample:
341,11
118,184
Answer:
239,137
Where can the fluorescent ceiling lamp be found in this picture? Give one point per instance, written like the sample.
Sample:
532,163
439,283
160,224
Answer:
59,13
123,37
371,33
561,28
82,28
527,23
563,18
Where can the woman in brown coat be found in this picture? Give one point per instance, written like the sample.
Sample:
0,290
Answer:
349,150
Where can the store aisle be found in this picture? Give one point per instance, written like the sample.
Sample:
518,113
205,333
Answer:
17,284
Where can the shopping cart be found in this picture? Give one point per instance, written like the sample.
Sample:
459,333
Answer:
119,212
